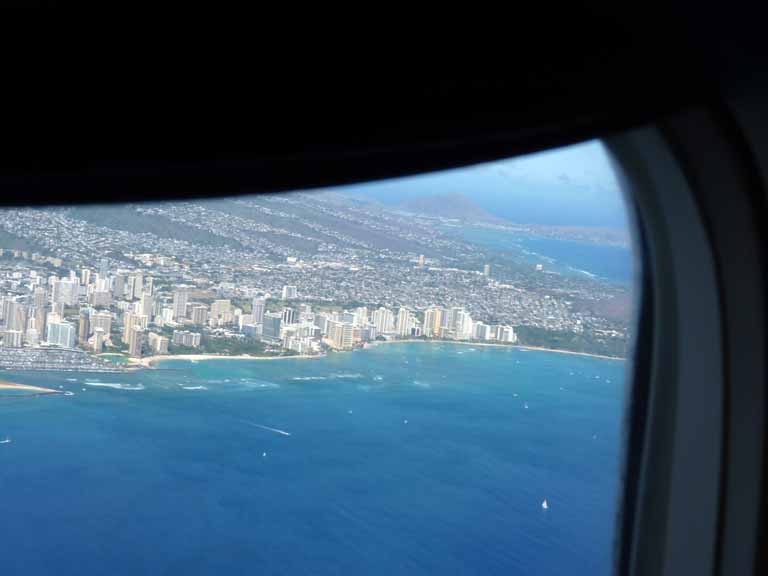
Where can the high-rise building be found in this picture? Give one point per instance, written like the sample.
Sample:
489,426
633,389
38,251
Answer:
487,270
321,321
40,319
16,315
463,325
98,340
58,309
480,331
244,320
421,260
368,332
135,342
149,285
13,338
271,327
146,304
132,322
100,298
158,344
349,317
135,286
289,316
433,320
118,286
507,334
103,267
199,314
103,321
39,298
403,325
221,312
32,337
60,333
361,316
219,307
5,304
85,276
290,292
166,315
128,322
186,338
101,283
65,292
84,327
258,309
180,297
384,320
342,335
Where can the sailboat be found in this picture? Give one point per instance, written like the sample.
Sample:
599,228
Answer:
544,505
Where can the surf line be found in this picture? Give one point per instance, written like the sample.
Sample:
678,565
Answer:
275,430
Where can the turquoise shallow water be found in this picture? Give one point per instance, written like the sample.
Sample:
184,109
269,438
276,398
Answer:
403,459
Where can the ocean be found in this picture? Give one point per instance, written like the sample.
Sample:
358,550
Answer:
611,263
406,458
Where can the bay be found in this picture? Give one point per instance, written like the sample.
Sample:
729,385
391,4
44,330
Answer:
607,262
401,459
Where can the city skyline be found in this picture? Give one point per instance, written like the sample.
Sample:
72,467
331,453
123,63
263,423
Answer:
295,273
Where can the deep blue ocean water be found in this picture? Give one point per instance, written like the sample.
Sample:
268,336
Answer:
402,459
611,263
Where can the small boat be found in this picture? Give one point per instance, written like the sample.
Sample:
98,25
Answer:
405,421
526,405
263,454
6,441
544,505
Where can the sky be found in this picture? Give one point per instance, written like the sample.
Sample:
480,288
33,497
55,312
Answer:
570,186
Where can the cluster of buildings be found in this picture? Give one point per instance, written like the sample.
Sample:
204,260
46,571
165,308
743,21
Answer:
102,309
303,272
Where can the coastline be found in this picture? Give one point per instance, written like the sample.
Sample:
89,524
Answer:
149,361
5,385
490,345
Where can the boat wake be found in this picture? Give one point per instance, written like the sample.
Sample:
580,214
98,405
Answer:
268,428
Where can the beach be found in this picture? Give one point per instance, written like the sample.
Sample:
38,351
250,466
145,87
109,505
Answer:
491,345
4,385
149,361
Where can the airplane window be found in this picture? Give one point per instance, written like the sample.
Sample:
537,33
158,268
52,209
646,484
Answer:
412,376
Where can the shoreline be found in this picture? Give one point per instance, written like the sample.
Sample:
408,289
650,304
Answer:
149,361
491,345
5,385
